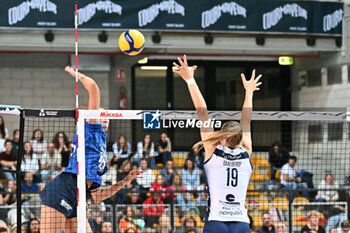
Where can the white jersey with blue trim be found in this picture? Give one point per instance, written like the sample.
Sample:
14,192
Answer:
227,173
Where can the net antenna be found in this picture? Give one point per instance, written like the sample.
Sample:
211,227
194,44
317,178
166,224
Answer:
81,188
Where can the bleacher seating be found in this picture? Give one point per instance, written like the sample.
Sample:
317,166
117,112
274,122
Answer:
301,200
256,176
260,161
281,203
256,219
179,160
252,194
263,203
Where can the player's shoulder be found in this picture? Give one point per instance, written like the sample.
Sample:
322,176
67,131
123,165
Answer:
229,153
236,150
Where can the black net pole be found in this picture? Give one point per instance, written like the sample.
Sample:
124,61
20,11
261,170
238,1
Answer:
114,216
18,172
290,219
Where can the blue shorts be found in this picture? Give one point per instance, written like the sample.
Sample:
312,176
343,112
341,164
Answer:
61,194
226,227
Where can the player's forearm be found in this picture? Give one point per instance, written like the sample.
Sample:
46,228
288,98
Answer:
89,84
93,90
106,192
198,102
247,108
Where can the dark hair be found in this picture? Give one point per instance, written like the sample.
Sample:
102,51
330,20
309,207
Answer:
133,215
188,218
13,134
31,151
256,229
275,143
189,229
161,143
30,221
143,140
251,221
2,127
130,230
185,166
125,147
145,160
42,135
7,140
15,131
56,142
3,229
293,158
265,213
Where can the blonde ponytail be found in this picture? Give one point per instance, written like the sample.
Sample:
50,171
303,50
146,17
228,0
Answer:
231,131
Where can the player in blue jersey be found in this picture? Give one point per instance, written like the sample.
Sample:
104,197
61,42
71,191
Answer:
227,158
59,198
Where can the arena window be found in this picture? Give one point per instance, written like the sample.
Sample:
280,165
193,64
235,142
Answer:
314,78
334,75
315,133
335,131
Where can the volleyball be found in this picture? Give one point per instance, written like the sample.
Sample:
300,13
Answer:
131,42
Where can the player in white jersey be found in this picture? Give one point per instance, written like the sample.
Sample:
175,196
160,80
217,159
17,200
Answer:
227,158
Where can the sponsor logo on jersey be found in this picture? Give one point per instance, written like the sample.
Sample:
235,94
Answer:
231,213
230,201
102,162
65,205
231,157
111,114
231,163
230,197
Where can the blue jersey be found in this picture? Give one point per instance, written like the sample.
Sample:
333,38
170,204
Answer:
95,154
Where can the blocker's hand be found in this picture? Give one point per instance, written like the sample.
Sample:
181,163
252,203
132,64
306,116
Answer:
71,71
253,84
184,71
133,174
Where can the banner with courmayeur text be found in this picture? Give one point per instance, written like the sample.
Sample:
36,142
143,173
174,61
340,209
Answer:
253,16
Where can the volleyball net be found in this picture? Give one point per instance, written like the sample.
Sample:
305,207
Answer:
172,195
